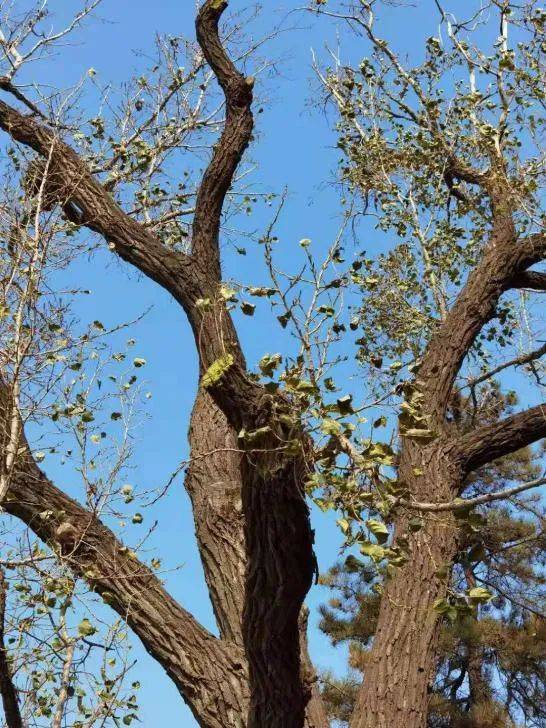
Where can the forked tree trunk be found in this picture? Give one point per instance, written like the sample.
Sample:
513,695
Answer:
401,666
214,484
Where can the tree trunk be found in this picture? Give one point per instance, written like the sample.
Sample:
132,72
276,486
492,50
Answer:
213,483
401,665
8,691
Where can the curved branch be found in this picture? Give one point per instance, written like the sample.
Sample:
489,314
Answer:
531,279
201,666
233,142
462,504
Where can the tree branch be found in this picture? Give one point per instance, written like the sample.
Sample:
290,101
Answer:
200,665
461,504
533,280
485,444
233,142
515,362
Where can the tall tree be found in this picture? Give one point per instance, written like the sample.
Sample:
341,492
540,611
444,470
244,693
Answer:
446,155
254,441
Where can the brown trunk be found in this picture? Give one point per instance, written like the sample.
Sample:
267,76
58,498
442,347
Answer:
402,662
8,691
213,483
279,571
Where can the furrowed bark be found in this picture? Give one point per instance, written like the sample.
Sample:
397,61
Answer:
397,682
474,307
488,443
8,691
213,483
278,538
401,666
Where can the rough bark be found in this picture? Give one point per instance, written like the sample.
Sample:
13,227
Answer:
278,558
396,684
8,691
401,665
213,483
209,673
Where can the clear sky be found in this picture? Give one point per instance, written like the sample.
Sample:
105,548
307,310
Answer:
295,148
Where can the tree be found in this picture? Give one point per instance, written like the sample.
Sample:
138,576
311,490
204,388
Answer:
444,164
260,442
487,672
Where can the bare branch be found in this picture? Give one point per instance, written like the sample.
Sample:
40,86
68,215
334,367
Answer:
464,504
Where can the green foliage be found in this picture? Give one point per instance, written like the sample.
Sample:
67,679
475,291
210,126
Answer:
216,371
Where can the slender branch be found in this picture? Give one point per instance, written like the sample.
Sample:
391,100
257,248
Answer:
65,684
461,504
515,362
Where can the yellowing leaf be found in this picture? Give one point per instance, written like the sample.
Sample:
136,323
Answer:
217,370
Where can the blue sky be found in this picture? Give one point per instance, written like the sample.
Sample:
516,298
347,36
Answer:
295,149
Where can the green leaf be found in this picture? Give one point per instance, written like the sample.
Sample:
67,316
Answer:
261,292
416,524
227,293
379,530
284,318
344,404
480,595
85,628
343,523
217,370
248,308
330,427
269,363
139,362
375,552
306,387
441,606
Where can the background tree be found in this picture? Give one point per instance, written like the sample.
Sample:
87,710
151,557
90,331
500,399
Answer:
490,668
